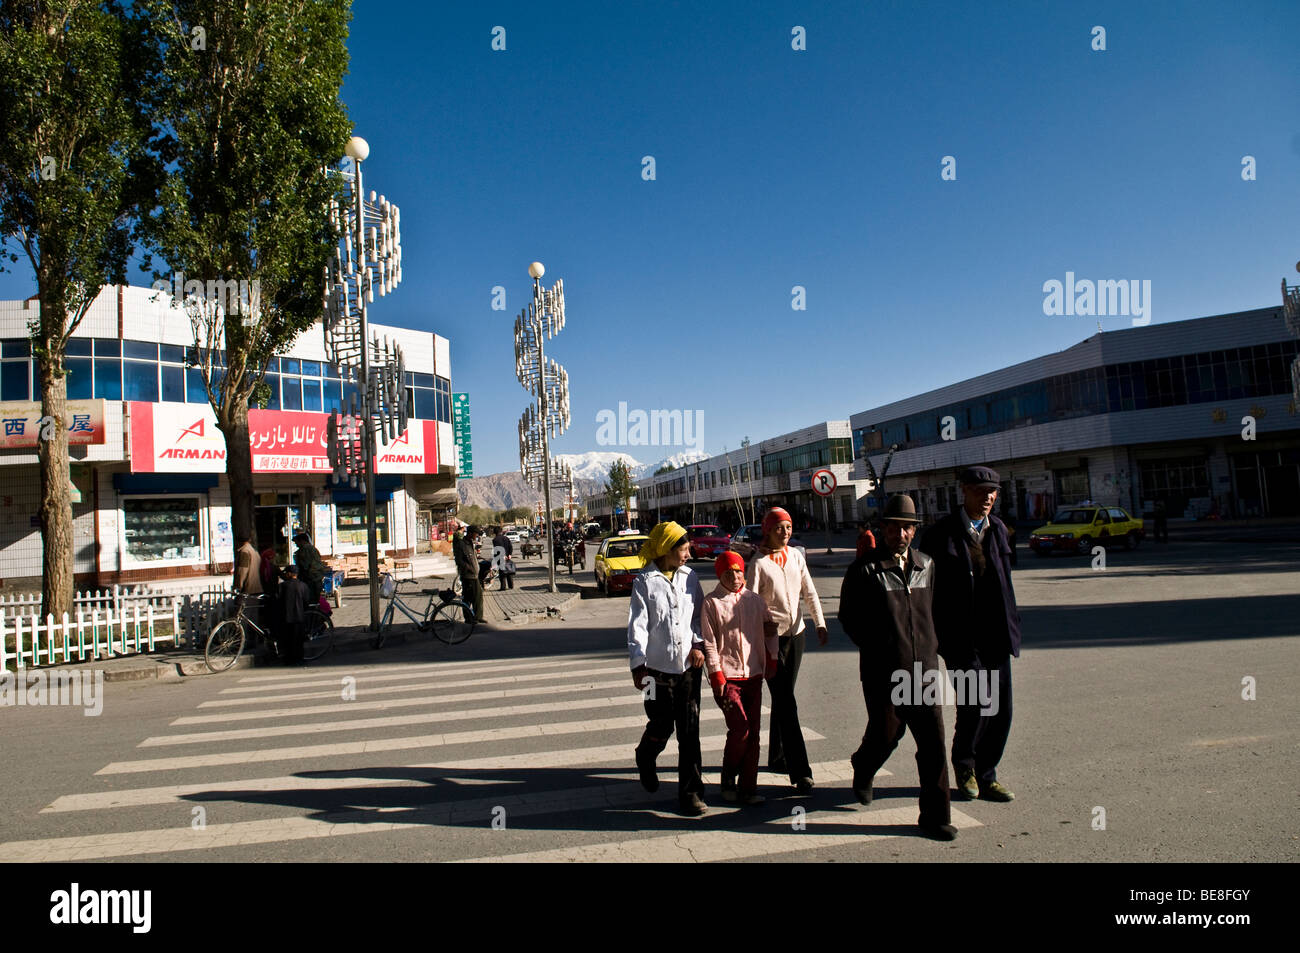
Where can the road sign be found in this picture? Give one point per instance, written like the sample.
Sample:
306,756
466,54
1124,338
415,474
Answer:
823,482
461,432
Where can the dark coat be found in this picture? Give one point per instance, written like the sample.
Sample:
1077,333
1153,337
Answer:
961,635
311,568
294,597
889,617
466,557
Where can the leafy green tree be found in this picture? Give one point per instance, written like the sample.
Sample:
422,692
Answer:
619,490
75,87
251,106
666,468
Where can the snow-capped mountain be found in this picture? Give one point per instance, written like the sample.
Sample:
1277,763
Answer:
595,465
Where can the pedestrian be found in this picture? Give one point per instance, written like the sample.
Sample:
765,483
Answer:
885,607
866,540
503,553
666,655
311,568
978,624
293,615
1162,522
740,650
248,568
780,575
471,590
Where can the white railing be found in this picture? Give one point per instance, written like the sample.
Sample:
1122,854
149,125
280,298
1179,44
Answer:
106,624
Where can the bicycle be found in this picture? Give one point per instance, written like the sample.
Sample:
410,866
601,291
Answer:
450,619
226,641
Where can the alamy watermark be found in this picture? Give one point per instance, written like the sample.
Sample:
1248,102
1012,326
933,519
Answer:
242,297
665,428
50,687
1106,297
927,686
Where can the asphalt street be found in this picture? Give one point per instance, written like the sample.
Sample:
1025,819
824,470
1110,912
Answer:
1131,742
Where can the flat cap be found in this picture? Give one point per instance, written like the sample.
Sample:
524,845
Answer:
980,476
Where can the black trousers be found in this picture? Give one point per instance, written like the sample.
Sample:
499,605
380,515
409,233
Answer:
785,740
471,590
886,725
675,704
979,740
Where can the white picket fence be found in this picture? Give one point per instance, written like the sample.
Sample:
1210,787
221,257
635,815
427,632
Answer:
105,624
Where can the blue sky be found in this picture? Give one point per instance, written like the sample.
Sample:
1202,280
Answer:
819,168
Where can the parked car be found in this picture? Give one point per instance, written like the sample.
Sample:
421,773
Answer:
514,536
617,563
707,541
747,539
1074,529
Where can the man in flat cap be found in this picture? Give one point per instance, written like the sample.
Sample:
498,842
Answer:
978,624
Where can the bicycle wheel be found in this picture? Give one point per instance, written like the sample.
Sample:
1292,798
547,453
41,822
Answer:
225,645
453,623
319,635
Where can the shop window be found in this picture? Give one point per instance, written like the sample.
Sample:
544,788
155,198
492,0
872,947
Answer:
163,529
352,524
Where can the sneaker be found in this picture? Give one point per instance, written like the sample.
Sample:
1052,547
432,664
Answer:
649,777
691,806
803,785
754,800
995,792
968,788
939,831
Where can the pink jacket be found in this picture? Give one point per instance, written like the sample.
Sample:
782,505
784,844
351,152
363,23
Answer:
782,587
738,632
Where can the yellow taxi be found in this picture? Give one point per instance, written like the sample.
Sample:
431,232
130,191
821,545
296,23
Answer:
1077,528
617,563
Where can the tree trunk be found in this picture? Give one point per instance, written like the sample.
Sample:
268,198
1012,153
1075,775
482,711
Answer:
56,494
239,469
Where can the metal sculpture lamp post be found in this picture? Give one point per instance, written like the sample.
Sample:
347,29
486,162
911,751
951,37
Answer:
549,383
369,258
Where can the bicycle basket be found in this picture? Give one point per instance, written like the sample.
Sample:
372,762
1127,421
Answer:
387,587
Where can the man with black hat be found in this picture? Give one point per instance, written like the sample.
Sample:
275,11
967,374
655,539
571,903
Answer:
978,624
885,608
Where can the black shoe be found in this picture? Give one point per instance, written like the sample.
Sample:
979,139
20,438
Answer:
862,791
803,785
939,831
649,777
692,806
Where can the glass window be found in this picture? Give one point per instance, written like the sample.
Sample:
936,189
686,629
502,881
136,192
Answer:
332,398
79,378
311,396
291,393
173,384
15,380
425,405
273,382
423,380
162,529
352,524
194,392
290,365
311,368
108,378
78,346
18,348
173,353
108,347
332,371
140,381
140,350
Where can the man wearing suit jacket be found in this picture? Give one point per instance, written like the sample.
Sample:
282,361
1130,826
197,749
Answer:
978,625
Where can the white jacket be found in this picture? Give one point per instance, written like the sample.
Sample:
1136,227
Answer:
663,619
783,587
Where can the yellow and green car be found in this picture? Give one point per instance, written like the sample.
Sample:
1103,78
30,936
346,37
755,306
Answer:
1076,529
617,563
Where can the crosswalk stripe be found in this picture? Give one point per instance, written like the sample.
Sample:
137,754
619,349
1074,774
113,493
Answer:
367,821
771,837
398,702
384,744
606,754
454,668
366,680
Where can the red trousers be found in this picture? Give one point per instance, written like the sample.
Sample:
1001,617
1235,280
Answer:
742,706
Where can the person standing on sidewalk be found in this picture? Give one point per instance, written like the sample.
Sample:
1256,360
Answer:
885,608
462,547
978,625
740,649
294,594
666,654
503,551
780,575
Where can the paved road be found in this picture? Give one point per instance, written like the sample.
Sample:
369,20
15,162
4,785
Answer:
1128,698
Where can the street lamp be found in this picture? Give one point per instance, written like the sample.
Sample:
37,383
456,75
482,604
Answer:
369,258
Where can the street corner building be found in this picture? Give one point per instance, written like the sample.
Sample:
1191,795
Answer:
148,464
1129,418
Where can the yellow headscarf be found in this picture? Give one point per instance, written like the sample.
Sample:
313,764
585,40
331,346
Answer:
664,538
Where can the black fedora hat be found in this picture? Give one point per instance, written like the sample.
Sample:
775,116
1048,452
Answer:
901,509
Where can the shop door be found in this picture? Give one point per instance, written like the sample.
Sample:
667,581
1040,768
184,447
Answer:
271,523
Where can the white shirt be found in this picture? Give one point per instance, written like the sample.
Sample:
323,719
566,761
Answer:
663,619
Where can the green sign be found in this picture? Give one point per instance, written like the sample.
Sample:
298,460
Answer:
460,429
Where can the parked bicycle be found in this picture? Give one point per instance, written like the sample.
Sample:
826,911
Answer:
450,619
227,640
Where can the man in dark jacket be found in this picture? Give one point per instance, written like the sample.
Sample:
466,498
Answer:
503,552
978,624
462,547
293,605
311,568
885,608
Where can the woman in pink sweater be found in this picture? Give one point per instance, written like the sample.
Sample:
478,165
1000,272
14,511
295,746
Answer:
740,648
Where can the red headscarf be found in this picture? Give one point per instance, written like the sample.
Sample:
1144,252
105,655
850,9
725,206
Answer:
728,560
775,515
